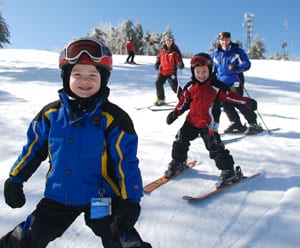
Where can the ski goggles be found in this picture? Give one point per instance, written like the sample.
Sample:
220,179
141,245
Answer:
94,49
200,61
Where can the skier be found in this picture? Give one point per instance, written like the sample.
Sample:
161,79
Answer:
130,51
230,61
92,146
198,97
167,60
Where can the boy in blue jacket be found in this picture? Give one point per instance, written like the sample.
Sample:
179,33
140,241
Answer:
91,145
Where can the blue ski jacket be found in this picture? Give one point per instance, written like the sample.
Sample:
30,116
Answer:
233,55
92,154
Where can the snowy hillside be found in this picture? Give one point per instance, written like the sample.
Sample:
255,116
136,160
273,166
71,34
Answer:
261,213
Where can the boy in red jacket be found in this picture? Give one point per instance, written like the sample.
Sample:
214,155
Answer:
198,96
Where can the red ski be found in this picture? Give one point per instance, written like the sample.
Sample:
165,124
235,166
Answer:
162,180
206,195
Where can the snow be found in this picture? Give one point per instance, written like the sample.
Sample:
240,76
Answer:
260,213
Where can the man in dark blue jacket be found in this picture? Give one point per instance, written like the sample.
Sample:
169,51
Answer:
92,149
230,61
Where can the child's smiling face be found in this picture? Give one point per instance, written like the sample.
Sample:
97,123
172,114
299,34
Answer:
201,73
85,80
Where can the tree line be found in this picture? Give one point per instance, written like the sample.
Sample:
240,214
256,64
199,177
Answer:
148,43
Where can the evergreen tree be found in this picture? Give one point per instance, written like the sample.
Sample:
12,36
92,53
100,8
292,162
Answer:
4,32
138,41
257,49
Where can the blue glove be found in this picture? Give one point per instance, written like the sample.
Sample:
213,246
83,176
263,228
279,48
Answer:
156,66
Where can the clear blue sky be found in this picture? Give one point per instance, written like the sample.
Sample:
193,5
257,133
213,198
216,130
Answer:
49,24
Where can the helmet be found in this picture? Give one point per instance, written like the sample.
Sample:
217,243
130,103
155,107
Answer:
86,51
169,37
201,59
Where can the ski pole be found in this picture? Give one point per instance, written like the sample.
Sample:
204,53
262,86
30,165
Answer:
268,130
178,85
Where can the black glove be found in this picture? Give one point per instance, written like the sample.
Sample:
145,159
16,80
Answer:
13,194
252,104
172,116
125,218
156,66
181,65
232,67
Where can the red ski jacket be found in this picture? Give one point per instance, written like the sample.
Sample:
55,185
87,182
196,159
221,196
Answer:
168,59
199,100
130,46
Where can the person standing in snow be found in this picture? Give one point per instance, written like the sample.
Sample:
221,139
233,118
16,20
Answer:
167,60
198,96
130,51
230,62
92,149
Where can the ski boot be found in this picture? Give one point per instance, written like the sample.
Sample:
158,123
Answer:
253,128
159,102
235,127
175,167
229,176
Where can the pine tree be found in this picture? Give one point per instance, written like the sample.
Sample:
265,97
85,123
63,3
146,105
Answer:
4,32
257,49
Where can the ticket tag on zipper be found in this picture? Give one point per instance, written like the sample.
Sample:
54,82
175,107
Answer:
100,207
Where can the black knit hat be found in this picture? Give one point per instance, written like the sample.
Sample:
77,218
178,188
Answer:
224,35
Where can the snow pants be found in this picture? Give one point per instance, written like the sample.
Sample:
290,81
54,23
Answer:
159,84
217,151
230,109
49,221
130,58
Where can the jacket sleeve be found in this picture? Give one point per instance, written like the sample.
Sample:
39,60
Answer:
34,152
232,97
123,145
184,100
244,62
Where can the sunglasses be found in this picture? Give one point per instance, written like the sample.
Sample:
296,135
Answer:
92,48
200,61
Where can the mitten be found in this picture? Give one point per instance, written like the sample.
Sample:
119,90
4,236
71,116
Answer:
13,194
125,218
156,66
232,67
181,65
252,104
172,116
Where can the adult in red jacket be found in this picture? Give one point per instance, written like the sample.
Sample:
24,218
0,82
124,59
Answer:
167,60
198,96
130,51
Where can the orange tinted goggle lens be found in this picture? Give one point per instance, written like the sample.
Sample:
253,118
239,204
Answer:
77,48
199,61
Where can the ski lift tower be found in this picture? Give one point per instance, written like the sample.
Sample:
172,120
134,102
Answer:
248,23
285,44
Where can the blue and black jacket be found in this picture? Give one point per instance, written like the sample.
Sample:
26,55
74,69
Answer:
91,154
233,55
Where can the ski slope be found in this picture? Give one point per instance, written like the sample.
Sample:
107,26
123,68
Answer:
260,213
